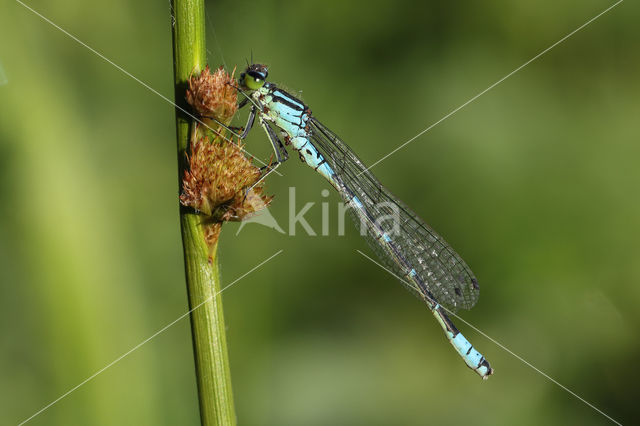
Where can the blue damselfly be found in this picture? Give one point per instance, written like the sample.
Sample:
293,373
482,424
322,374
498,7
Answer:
423,261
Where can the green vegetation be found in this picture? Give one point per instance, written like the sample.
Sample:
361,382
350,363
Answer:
534,184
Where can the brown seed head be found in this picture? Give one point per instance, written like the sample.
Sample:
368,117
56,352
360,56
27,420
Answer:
217,180
213,95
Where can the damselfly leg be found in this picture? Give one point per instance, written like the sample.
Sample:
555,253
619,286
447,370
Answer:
278,148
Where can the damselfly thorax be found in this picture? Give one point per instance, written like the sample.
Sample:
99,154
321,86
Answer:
292,117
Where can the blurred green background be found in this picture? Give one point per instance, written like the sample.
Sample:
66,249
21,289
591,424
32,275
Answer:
535,184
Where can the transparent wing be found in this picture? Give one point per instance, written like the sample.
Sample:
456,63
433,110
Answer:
416,246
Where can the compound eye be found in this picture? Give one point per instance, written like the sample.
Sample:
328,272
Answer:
253,83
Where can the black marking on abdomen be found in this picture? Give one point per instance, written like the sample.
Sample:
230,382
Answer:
423,290
319,164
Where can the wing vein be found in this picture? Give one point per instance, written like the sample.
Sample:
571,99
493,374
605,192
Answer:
440,273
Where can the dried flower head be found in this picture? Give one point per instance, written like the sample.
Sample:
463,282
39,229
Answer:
217,180
213,95
219,175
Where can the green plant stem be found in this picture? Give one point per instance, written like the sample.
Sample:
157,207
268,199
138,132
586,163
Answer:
201,263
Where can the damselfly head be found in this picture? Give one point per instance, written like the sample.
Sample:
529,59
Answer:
254,76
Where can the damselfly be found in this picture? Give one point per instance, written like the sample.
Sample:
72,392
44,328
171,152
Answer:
419,257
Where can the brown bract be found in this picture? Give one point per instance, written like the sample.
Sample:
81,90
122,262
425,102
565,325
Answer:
217,180
213,95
